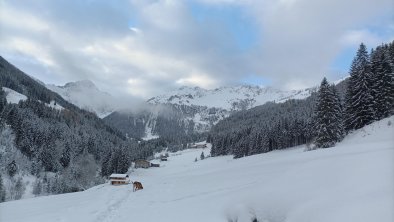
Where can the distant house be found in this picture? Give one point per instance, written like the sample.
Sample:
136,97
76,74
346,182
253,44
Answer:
163,157
155,165
141,164
118,179
198,145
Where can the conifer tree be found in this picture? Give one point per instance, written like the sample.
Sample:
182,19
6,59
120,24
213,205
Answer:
327,117
383,82
338,112
2,190
202,156
359,102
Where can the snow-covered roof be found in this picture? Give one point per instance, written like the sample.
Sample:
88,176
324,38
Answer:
118,175
125,180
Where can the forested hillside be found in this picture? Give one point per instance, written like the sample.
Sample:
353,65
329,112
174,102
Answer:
170,123
64,149
320,120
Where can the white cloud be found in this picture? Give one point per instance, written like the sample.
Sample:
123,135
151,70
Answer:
166,47
355,37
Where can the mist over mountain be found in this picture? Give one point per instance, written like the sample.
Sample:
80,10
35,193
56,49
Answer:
187,109
86,95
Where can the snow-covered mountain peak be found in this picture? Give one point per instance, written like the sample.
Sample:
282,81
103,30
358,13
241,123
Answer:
228,97
86,95
80,85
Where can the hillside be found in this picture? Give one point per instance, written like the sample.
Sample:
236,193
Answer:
45,141
350,182
187,110
86,95
195,110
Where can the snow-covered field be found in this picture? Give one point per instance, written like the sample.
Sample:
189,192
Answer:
13,96
352,182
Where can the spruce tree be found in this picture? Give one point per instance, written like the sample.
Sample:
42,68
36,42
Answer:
202,156
338,114
359,102
2,190
383,82
327,117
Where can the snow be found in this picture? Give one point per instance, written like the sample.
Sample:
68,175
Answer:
86,95
118,175
351,182
13,96
227,97
54,105
149,128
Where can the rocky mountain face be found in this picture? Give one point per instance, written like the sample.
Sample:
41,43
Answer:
86,95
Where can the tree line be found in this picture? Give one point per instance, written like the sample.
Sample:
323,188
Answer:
369,96
320,120
66,150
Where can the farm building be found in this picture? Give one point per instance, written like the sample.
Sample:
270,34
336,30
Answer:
142,164
155,165
198,145
118,179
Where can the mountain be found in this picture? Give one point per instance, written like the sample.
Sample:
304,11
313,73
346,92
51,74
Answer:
51,143
230,98
351,182
189,110
186,110
86,95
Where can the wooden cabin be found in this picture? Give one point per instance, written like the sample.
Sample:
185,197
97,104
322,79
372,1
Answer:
118,179
198,145
141,164
155,165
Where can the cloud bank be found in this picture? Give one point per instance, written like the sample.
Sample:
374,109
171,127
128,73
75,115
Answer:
143,48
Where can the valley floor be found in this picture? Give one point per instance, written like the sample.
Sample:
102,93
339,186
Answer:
353,181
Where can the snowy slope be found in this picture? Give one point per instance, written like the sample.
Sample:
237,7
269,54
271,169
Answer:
352,182
13,96
86,95
229,98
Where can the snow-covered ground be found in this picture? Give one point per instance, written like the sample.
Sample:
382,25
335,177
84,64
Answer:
352,182
13,96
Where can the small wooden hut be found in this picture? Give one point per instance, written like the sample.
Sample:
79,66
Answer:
141,164
118,179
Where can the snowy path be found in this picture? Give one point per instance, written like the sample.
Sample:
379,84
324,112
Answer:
351,182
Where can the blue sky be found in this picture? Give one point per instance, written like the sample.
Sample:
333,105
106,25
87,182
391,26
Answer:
240,26
144,48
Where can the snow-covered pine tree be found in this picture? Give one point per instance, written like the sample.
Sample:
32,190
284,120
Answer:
3,100
2,190
202,156
338,112
326,117
359,102
37,187
12,168
19,189
383,82
65,156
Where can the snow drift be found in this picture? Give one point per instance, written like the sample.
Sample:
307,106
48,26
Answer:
351,182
